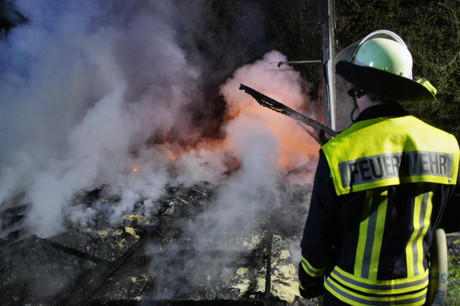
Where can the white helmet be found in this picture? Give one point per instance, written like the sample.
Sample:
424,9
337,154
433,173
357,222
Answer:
381,64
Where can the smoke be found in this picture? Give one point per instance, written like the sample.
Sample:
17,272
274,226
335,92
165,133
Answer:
111,93
267,145
284,85
93,89
84,84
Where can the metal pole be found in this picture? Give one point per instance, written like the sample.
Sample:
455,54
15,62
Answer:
297,62
328,29
331,68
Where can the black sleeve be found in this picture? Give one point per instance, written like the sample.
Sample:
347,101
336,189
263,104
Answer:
320,229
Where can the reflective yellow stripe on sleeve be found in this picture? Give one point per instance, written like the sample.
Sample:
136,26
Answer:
310,270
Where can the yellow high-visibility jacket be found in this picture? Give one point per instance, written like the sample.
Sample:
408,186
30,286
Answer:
379,185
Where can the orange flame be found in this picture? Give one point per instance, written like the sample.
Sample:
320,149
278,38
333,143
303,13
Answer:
295,145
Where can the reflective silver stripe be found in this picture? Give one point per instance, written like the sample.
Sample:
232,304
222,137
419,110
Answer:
420,231
378,287
421,204
367,256
372,300
393,165
310,270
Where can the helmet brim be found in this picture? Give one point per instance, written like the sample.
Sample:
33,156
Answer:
384,84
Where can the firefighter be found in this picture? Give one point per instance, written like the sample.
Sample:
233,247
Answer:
381,186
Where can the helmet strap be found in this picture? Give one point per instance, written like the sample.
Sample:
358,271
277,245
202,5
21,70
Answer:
355,108
355,93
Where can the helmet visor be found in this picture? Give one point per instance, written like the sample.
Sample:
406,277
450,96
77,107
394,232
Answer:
347,53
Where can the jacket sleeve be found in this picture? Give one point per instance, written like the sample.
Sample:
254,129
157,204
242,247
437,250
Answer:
319,236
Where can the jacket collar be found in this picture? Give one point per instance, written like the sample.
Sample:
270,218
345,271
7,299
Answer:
382,110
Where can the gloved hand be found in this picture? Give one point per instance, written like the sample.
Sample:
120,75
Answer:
311,290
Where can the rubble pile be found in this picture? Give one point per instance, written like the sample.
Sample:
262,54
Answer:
149,257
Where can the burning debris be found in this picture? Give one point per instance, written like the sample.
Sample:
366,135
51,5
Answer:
139,259
198,200
132,185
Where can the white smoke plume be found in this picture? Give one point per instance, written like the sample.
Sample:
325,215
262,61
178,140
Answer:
91,89
83,84
264,142
112,93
